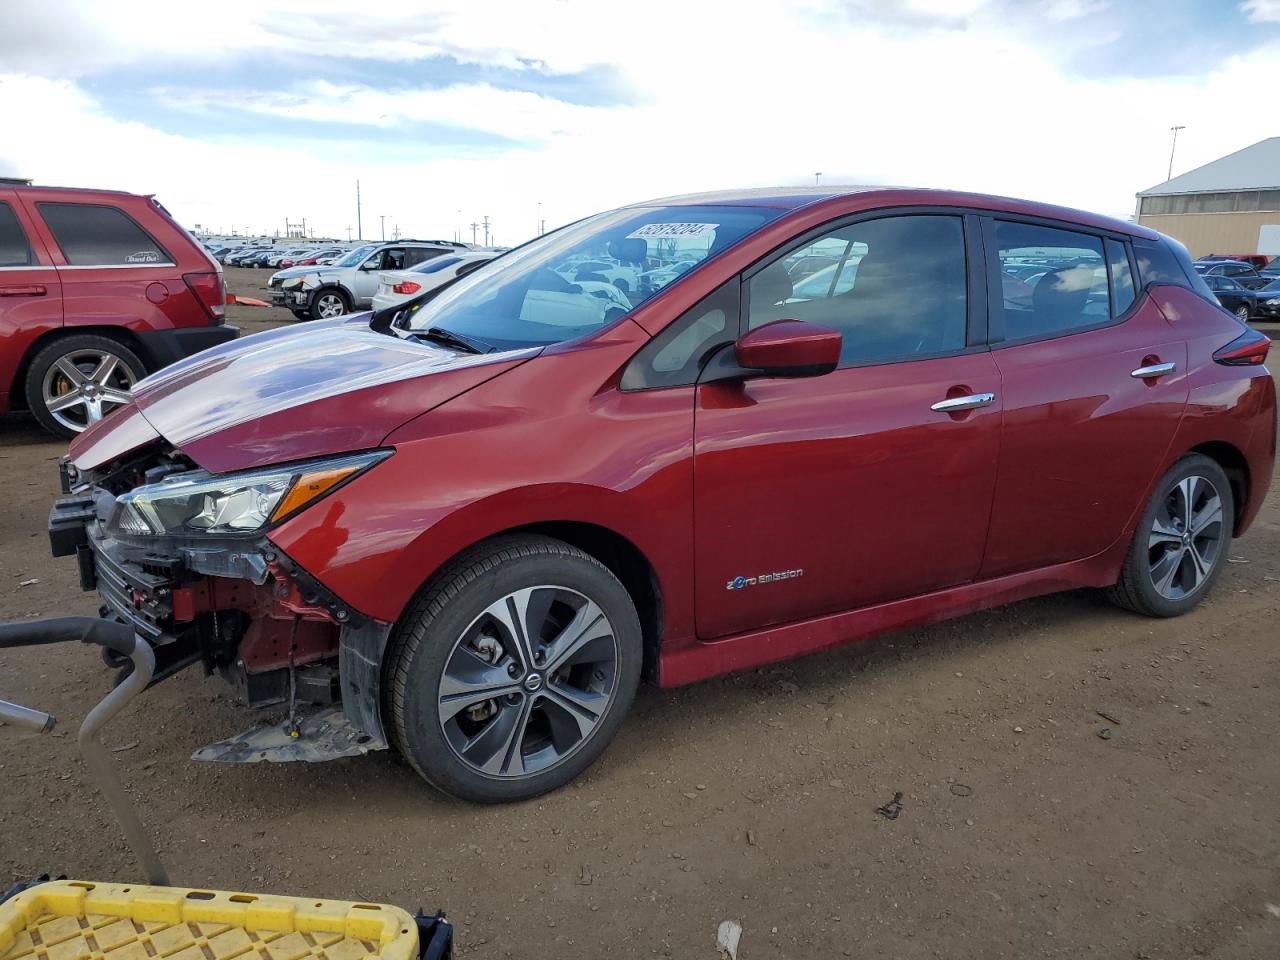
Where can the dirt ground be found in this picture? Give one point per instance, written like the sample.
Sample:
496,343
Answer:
1022,833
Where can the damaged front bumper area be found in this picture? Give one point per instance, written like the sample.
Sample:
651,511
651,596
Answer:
239,607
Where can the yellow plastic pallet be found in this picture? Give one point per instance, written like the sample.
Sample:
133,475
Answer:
79,920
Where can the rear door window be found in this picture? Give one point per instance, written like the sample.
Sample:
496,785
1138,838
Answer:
95,235
15,251
1066,288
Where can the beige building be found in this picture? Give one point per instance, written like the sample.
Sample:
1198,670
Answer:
1231,205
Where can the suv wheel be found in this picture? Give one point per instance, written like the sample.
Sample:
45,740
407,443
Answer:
1181,543
513,670
1242,313
77,380
328,303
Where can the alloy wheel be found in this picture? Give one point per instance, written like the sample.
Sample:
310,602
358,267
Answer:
83,386
1186,537
528,682
330,305
1242,312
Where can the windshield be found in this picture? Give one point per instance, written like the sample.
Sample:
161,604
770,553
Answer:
578,279
356,255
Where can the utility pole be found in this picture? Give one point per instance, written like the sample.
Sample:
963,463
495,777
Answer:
538,223
1173,149
359,222
348,233
474,226
486,229
457,227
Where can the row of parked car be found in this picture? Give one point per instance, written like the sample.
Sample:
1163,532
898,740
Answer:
1246,284
274,257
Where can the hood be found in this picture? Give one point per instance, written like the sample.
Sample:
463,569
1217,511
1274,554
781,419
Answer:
325,388
288,272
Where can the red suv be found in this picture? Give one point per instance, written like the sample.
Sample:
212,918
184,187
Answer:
467,525
97,289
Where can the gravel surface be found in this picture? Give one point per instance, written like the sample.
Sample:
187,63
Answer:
1071,781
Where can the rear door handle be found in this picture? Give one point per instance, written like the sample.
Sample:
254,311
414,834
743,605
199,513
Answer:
30,290
1154,370
967,402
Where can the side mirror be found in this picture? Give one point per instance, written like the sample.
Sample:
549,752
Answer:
788,348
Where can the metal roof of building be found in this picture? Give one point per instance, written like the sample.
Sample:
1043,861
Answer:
1253,168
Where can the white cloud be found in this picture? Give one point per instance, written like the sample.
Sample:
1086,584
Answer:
715,99
1262,11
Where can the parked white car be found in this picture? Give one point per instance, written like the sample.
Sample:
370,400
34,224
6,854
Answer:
397,286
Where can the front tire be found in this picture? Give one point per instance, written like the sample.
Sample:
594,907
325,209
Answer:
1242,313
1181,543
76,380
328,303
512,671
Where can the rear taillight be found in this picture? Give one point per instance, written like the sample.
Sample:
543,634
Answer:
406,286
211,290
286,264
1247,350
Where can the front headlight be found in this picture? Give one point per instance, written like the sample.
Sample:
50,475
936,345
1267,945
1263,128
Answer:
291,282
198,502
1274,302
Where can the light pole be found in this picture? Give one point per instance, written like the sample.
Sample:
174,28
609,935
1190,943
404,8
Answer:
816,177
1173,149
382,224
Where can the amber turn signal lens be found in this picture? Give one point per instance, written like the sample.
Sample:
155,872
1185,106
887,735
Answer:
308,486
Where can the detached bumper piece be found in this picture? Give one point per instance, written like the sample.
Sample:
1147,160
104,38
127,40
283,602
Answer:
73,918
327,735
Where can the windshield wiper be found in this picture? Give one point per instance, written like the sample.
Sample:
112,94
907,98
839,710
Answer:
441,335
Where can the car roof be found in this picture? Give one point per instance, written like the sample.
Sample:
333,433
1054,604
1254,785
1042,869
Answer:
793,198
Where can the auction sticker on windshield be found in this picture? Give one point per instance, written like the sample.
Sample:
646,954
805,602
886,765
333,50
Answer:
665,230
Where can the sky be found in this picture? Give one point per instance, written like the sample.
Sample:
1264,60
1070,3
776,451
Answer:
249,115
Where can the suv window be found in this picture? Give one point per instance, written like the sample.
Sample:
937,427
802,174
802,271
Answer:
676,355
1067,293
93,235
894,287
1122,292
15,251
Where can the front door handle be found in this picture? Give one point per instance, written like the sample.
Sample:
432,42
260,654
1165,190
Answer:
967,402
30,290
1154,370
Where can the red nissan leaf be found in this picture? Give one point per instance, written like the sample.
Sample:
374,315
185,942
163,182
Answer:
467,526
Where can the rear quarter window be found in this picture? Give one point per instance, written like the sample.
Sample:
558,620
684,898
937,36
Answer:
14,249
1167,261
96,235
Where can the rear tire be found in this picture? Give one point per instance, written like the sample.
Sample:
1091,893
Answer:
1181,543
76,380
487,715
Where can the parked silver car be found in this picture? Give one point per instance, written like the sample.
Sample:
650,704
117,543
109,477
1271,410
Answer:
322,292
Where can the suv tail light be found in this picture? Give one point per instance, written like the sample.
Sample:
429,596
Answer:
406,286
1247,350
211,290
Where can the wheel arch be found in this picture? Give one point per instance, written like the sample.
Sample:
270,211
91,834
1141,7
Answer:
121,335
1234,464
616,552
